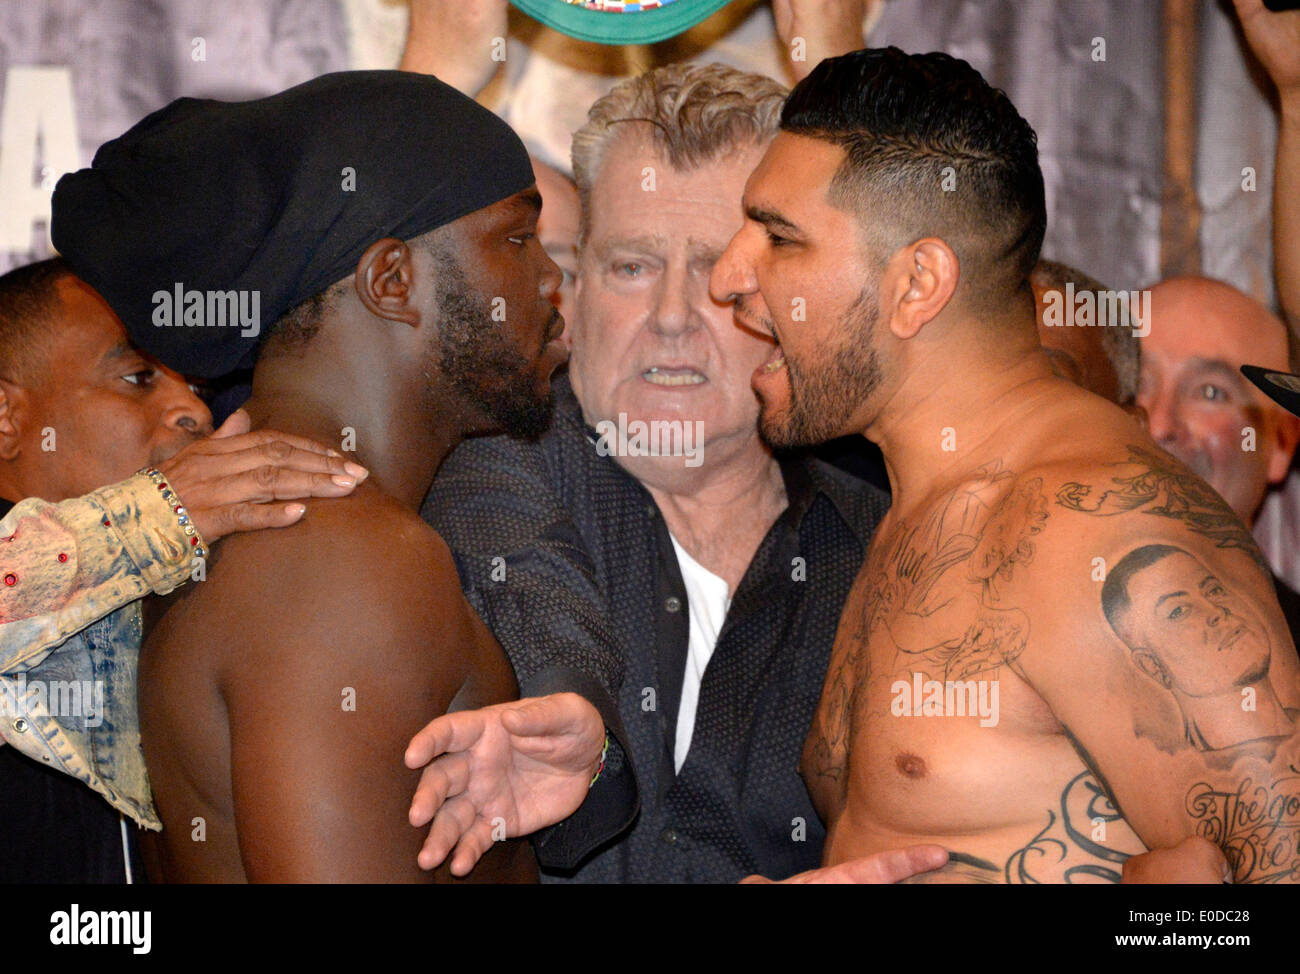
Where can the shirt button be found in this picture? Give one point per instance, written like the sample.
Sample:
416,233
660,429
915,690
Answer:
669,836
20,725
673,603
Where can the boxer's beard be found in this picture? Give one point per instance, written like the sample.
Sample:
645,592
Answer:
824,395
479,361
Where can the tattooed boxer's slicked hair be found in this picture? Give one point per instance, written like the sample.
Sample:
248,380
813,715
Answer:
931,149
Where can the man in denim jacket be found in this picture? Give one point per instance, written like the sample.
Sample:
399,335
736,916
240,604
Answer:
81,407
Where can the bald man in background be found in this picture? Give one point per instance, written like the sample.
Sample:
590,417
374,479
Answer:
1204,411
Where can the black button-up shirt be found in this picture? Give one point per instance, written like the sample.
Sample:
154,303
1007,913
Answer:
570,563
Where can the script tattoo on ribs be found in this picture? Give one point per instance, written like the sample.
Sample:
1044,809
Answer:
1078,844
1156,486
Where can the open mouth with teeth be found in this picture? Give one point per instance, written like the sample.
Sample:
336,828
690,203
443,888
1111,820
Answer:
775,362
658,376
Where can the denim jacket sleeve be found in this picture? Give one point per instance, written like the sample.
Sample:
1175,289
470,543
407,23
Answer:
63,566
71,577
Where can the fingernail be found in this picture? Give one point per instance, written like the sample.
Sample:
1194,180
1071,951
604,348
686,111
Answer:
333,453
358,471
295,510
344,481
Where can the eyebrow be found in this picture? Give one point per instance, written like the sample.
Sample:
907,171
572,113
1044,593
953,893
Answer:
529,201
769,218
119,351
1220,368
698,249
1172,595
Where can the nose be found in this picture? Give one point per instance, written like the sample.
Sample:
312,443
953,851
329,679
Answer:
181,408
672,310
551,277
733,274
1164,419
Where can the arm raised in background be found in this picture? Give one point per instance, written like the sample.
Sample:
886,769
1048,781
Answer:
1275,39
455,40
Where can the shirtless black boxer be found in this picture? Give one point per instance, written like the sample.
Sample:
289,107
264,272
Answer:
277,697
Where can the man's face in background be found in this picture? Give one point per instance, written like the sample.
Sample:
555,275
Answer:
1076,353
557,228
96,408
1200,407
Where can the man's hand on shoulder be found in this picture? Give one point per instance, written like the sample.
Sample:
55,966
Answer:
500,772
232,480
891,866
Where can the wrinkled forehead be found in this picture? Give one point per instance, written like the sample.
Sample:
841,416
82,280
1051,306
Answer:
637,191
82,328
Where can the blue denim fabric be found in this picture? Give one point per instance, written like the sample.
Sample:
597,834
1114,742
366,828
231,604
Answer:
71,576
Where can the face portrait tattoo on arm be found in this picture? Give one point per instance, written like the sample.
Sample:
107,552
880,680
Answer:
1203,643
1155,485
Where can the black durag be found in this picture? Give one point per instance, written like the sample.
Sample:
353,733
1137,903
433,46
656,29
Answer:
276,197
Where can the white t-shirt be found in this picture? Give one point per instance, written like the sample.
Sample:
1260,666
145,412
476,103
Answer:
708,600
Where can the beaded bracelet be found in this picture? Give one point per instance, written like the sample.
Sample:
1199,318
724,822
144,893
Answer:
600,767
173,500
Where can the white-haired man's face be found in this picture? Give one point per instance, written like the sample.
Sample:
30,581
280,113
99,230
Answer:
649,341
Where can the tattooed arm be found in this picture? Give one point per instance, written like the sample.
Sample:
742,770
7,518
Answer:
1170,663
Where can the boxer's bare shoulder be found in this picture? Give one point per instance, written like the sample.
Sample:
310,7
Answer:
279,694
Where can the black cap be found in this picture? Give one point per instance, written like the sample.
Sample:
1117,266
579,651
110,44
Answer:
205,204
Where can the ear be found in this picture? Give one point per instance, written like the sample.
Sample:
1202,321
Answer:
918,283
1139,413
385,281
13,402
1150,664
1285,438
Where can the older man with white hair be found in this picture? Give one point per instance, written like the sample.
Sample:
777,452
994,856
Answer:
652,537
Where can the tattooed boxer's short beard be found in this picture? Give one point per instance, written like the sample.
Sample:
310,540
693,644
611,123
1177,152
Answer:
824,395
479,360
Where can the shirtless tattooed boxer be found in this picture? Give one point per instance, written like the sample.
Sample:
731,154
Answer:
1041,556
